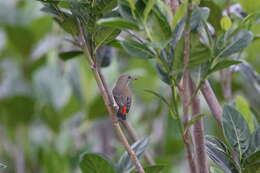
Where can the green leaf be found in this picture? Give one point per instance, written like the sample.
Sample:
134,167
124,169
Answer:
235,44
215,170
198,16
158,95
219,153
152,169
125,163
164,76
91,162
254,141
157,27
104,35
244,108
253,160
192,121
69,55
105,5
215,13
236,130
2,165
117,22
137,49
148,8
223,64
225,23
163,100
249,5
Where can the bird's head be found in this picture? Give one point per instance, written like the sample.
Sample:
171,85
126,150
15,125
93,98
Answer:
125,79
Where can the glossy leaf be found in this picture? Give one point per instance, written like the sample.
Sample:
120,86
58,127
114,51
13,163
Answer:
244,109
92,162
152,169
219,153
236,130
125,163
137,49
104,35
237,43
69,55
224,64
117,22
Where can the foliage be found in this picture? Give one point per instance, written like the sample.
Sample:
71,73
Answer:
243,144
51,111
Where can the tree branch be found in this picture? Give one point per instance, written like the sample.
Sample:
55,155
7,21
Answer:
185,94
134,138
108,100
198,134
212,102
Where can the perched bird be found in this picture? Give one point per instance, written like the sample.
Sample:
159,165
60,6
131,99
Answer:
122,95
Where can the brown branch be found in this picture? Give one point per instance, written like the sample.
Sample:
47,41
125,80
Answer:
108,100
134,138
185,94
198,134
212,102
226,83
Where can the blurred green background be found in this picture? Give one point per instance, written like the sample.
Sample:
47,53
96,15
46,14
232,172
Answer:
51,109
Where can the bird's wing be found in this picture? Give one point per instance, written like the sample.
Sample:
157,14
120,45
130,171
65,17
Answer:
122,100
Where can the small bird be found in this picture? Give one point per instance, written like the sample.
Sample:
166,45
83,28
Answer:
122,95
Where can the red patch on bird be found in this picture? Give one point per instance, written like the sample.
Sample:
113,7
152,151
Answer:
123,110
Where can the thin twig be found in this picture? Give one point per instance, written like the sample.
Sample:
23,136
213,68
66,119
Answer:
198,134
134,138
108,101
212,102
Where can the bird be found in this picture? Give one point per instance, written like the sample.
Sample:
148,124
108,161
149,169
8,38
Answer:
122,95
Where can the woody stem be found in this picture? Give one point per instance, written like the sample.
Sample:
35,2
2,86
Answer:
108,100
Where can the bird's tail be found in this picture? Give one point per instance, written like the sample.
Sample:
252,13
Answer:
121,113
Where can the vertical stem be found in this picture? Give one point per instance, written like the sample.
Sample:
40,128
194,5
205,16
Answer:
185,137
108,101
212,101
225,77
185,98
198,134
134,138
